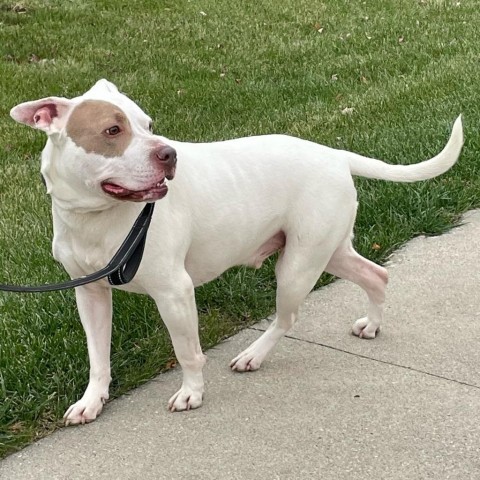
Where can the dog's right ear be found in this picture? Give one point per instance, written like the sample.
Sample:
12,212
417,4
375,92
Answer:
48,114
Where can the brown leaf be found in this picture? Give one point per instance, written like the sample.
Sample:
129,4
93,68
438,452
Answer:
347,111
16,427
18,8
376,247
171,364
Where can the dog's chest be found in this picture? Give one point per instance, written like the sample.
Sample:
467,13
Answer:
80,258
82,250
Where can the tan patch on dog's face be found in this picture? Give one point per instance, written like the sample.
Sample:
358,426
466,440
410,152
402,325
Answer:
100,127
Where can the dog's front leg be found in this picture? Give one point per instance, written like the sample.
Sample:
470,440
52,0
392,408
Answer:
94,304
176,304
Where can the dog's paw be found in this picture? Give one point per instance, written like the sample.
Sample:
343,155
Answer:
86,410
364,328
185,399
247,361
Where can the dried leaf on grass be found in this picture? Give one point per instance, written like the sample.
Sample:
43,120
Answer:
348,111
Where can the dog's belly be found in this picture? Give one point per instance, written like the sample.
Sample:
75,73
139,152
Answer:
205,264
271,246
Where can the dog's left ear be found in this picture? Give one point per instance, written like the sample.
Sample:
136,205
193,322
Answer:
47,114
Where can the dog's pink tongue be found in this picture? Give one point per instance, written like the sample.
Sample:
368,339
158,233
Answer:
115,189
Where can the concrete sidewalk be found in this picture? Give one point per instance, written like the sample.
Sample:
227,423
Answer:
324,405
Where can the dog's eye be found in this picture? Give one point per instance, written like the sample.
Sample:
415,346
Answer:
150,126
112,131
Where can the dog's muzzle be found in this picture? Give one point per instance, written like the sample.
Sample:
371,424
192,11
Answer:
165,160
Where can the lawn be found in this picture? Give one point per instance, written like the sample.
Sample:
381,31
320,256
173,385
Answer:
385,78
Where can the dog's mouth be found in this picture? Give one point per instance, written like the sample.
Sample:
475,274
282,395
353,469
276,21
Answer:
155,192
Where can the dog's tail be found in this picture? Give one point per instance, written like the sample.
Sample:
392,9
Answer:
371,168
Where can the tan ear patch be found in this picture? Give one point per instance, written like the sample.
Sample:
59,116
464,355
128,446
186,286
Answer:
88,124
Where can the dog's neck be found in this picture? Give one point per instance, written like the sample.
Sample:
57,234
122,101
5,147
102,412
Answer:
80,236
77,218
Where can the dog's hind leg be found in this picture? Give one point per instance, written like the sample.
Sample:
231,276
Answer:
346,263
297,271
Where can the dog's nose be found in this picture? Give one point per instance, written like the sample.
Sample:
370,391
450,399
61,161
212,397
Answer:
166,155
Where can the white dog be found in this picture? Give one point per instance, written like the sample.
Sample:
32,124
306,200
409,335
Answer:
231,203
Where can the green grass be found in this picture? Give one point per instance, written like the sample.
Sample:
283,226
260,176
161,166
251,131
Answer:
406,67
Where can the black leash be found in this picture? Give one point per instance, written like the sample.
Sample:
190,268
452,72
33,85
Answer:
121,268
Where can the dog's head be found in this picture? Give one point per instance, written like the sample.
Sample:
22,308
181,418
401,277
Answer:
100,148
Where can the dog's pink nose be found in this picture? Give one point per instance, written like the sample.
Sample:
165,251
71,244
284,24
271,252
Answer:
166,155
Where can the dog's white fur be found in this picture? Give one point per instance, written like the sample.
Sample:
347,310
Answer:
231,203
